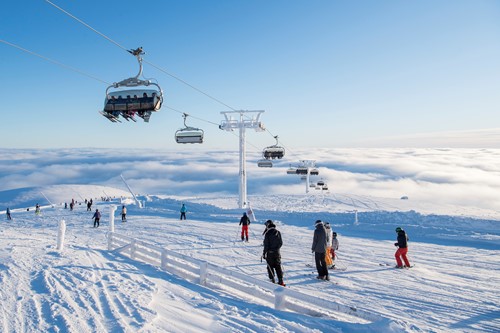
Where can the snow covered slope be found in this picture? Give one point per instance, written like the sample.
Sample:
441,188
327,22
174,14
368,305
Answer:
84,288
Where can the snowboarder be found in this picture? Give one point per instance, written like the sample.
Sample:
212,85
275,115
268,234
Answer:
272,245
319,249
402,250
124,213
183,211
329,237
8,214
245,223
96,217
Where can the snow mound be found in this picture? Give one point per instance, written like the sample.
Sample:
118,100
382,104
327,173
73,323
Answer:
57,194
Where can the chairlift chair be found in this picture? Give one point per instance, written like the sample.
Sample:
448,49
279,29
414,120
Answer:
189,134
265,163
291,171
314,172
130,102
273,151
301,170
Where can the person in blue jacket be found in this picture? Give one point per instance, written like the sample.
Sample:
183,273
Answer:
183,212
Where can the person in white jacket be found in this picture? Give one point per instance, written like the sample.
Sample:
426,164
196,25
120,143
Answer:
335,247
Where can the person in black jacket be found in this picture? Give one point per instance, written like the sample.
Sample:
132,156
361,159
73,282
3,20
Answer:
319,249
402,250
272,246
96,218
244,222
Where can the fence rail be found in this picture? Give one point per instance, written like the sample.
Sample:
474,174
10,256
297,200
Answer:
210,275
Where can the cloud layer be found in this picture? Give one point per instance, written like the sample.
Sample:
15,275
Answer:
469,177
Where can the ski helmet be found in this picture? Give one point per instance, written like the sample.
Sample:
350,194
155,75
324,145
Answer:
398,229
334,234
318,222
268,222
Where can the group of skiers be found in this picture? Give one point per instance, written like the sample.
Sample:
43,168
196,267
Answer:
324,247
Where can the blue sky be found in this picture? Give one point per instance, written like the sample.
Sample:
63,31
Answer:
328,73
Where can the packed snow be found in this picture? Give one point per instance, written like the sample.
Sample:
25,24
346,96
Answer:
84,287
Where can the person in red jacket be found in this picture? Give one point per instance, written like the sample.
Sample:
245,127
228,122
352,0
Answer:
244,222
402,250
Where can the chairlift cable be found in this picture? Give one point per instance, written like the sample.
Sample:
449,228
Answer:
127,50
189,85
87,25
53,61
181,112
149,63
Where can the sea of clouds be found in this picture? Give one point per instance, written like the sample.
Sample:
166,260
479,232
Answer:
468,177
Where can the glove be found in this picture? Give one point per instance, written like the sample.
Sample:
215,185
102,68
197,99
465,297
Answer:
264,255
395,244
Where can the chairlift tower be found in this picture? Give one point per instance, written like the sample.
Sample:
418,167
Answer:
309,164
242,120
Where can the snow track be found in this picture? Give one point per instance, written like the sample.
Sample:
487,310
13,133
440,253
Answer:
85,288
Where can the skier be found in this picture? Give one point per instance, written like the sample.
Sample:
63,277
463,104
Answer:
124,213
319,249
272,245
89,206
244,222
8,214
96,217
328,253
335,247
402,250
183,211
37,209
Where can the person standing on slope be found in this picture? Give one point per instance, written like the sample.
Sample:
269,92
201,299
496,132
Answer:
245,223
402,250
272,246
319,249
335,247
97,218
124,213
183,211
8,214
328,255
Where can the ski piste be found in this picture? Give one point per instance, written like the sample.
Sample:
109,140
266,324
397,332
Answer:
384,264
314,276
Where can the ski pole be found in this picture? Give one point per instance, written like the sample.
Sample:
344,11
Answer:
341,262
